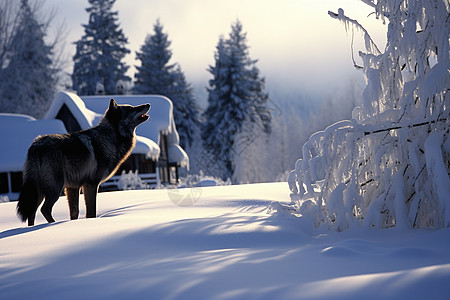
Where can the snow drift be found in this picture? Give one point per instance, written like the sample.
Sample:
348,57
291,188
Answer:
213,243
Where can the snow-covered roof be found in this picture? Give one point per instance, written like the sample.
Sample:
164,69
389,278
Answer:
178,155
161,113
161,120
88,111
86,118
147,147
17,134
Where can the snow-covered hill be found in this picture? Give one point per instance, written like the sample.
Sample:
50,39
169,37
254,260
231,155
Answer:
229,242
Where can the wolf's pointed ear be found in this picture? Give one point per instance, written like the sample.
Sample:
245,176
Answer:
113,112
112,104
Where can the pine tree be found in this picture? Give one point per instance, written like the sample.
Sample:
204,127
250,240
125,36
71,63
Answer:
185,109
156,75
216,133
236,103
27,79
8,23
98,61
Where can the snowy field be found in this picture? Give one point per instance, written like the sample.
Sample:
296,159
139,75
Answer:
213,243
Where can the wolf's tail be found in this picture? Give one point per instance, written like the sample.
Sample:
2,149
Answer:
28,202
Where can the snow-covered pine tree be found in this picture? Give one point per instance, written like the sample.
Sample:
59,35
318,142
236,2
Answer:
248,88
98,61
8,23
185,109
236,99
28,76
156,75
153,76
214,129
390,165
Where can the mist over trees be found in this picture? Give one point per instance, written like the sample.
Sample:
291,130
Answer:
237,100
98,63
29,74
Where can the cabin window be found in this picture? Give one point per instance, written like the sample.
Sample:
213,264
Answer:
146,165
137,162
4,183
16,182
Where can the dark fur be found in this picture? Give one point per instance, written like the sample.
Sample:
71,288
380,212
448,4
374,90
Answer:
82,159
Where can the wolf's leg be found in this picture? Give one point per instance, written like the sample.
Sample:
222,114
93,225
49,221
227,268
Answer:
31,218
46,209
90,197
51,196
73,195
32,215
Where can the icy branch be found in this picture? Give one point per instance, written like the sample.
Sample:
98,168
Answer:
389,166
370,3
404,126
370,45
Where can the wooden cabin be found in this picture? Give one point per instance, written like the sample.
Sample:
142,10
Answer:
17,133
157,155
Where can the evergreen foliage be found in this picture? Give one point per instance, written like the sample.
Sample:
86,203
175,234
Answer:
185,109
27,76
98,62
236,103
153,76
156,75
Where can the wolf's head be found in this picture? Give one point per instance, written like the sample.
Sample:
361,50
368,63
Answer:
126,117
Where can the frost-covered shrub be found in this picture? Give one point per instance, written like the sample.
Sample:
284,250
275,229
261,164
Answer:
390,165
131,181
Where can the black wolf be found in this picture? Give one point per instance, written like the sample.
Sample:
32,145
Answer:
79,160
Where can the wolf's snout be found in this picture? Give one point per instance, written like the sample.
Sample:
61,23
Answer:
147,108
144,116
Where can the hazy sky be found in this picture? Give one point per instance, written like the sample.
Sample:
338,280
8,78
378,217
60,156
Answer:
299,47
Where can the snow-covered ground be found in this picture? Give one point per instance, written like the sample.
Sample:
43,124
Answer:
222,242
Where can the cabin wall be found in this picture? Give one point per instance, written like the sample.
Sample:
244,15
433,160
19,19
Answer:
68,119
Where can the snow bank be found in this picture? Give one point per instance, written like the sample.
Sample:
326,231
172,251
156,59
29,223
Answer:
225,245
